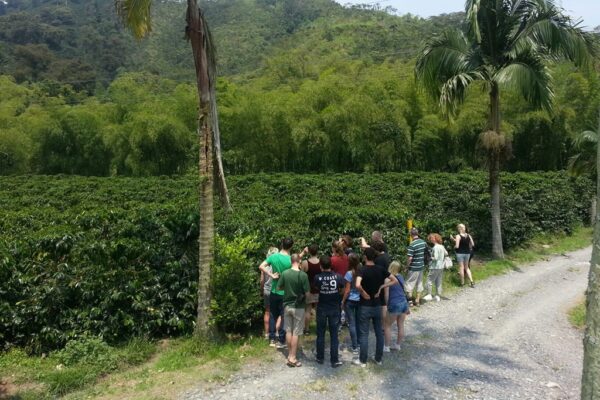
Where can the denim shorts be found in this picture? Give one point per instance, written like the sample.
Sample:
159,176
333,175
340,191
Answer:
398,308
462,258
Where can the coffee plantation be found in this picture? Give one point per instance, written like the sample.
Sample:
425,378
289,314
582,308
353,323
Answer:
117,257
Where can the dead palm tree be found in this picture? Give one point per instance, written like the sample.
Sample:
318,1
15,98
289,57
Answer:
136,15
507,45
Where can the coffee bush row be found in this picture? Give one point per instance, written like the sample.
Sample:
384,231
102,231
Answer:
116,257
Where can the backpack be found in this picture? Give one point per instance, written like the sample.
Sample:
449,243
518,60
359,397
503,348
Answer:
426,255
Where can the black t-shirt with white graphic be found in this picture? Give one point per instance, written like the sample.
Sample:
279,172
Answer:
329,285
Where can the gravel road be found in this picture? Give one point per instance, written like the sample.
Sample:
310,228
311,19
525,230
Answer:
509,338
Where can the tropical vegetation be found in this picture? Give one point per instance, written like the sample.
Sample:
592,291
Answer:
507,44
332,91
117,257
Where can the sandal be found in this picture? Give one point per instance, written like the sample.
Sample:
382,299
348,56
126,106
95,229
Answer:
294,364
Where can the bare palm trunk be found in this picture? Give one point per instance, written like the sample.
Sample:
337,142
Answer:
590,381
196,34
494,174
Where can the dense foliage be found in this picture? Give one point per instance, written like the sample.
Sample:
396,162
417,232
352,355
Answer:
116,257
351,116
316,86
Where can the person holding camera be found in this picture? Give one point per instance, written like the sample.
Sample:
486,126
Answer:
294,284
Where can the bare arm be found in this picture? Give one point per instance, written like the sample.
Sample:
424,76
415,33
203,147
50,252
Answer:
472,242
363,243
263,268
362,291
346,292
456,241
390,281
386,294
303,252
304,266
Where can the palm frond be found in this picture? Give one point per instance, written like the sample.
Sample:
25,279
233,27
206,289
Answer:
581,163
546,26
586,143
528,74
472,8
135,15
446,67
585,137
453,91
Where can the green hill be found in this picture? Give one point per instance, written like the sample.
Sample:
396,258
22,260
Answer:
305,86
81,42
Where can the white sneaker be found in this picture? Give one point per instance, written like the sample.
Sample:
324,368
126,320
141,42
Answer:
437,298
357,362
386,349
377,362
396,347
428,297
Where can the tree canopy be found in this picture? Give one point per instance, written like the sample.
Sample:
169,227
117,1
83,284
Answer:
331,89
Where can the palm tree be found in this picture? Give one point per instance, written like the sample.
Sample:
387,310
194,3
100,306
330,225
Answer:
136,15
506,46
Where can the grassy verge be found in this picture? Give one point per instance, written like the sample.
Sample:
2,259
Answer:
539,248
577,315
139,369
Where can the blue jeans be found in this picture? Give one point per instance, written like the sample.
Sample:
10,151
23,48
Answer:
353,316
368,314
276,308
328,319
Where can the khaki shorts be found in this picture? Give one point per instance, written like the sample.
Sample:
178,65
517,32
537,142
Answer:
414,278
312,298
293,320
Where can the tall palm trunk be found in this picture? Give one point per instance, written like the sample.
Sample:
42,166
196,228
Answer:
196,33
590,381
494,173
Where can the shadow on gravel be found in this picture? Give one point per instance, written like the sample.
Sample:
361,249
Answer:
434,364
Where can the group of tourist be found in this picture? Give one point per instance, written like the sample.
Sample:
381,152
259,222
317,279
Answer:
358,290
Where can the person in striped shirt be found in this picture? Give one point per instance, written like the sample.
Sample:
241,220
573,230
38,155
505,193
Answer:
416,265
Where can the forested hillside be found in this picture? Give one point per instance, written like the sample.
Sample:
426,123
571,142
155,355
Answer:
305,86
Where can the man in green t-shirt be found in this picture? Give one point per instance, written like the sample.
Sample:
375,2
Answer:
279,263
294,284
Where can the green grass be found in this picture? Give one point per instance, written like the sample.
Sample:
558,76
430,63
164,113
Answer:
53,375
577,316
148,364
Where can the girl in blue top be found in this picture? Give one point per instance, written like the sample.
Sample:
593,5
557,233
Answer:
351,300
397,309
